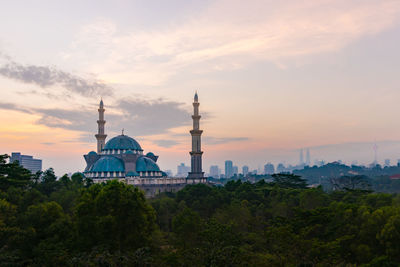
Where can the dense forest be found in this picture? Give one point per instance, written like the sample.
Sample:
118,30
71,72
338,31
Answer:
68,221
333,175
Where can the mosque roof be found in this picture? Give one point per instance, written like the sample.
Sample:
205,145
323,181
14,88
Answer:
132,174
122,142
108,164
145,164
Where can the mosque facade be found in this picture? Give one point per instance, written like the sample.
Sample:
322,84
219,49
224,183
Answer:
123,158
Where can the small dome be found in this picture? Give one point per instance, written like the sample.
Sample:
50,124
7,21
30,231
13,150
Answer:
92,153
129,152
108,164
150,154
132,174
122,142
145,164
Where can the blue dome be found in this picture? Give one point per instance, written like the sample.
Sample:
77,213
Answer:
145,164
108,164
152,156
128,152
92,153
122,142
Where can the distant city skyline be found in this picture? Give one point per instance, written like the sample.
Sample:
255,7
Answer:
274,78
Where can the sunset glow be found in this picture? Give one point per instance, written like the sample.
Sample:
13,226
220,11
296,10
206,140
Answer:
273,77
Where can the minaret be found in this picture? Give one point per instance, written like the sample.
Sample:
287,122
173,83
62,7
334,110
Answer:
196,153
100,136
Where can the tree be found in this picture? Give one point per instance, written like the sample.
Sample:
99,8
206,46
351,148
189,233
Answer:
286,180
13,174
186,226
352,182
52,233
48,182
77,178
115,216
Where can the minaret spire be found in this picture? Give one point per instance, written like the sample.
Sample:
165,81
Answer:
101,136
196,153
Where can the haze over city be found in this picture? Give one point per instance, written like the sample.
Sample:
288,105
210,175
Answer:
272,77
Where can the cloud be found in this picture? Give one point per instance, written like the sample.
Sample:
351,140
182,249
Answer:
208,140
223,140
143,117
48,143
45,77
78,120
166,143
230,35
137,117
10,106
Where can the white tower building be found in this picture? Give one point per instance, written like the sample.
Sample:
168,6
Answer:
196,153
100,136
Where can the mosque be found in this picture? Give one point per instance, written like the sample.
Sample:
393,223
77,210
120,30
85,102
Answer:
123,158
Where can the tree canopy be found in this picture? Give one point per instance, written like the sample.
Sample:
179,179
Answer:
69,221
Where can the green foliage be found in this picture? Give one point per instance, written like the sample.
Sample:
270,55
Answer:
351,182
68,221
13,175
286,180
114,216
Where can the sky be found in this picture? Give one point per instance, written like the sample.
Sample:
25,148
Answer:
273,77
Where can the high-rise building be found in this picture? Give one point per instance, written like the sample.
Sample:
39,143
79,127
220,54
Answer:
214,171
182,170
308,160
196,153
301,157
228,169
269,168
387,163
375,148
245,170
28,162
235,170
281,168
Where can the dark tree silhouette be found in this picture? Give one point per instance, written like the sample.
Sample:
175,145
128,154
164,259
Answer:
287,180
